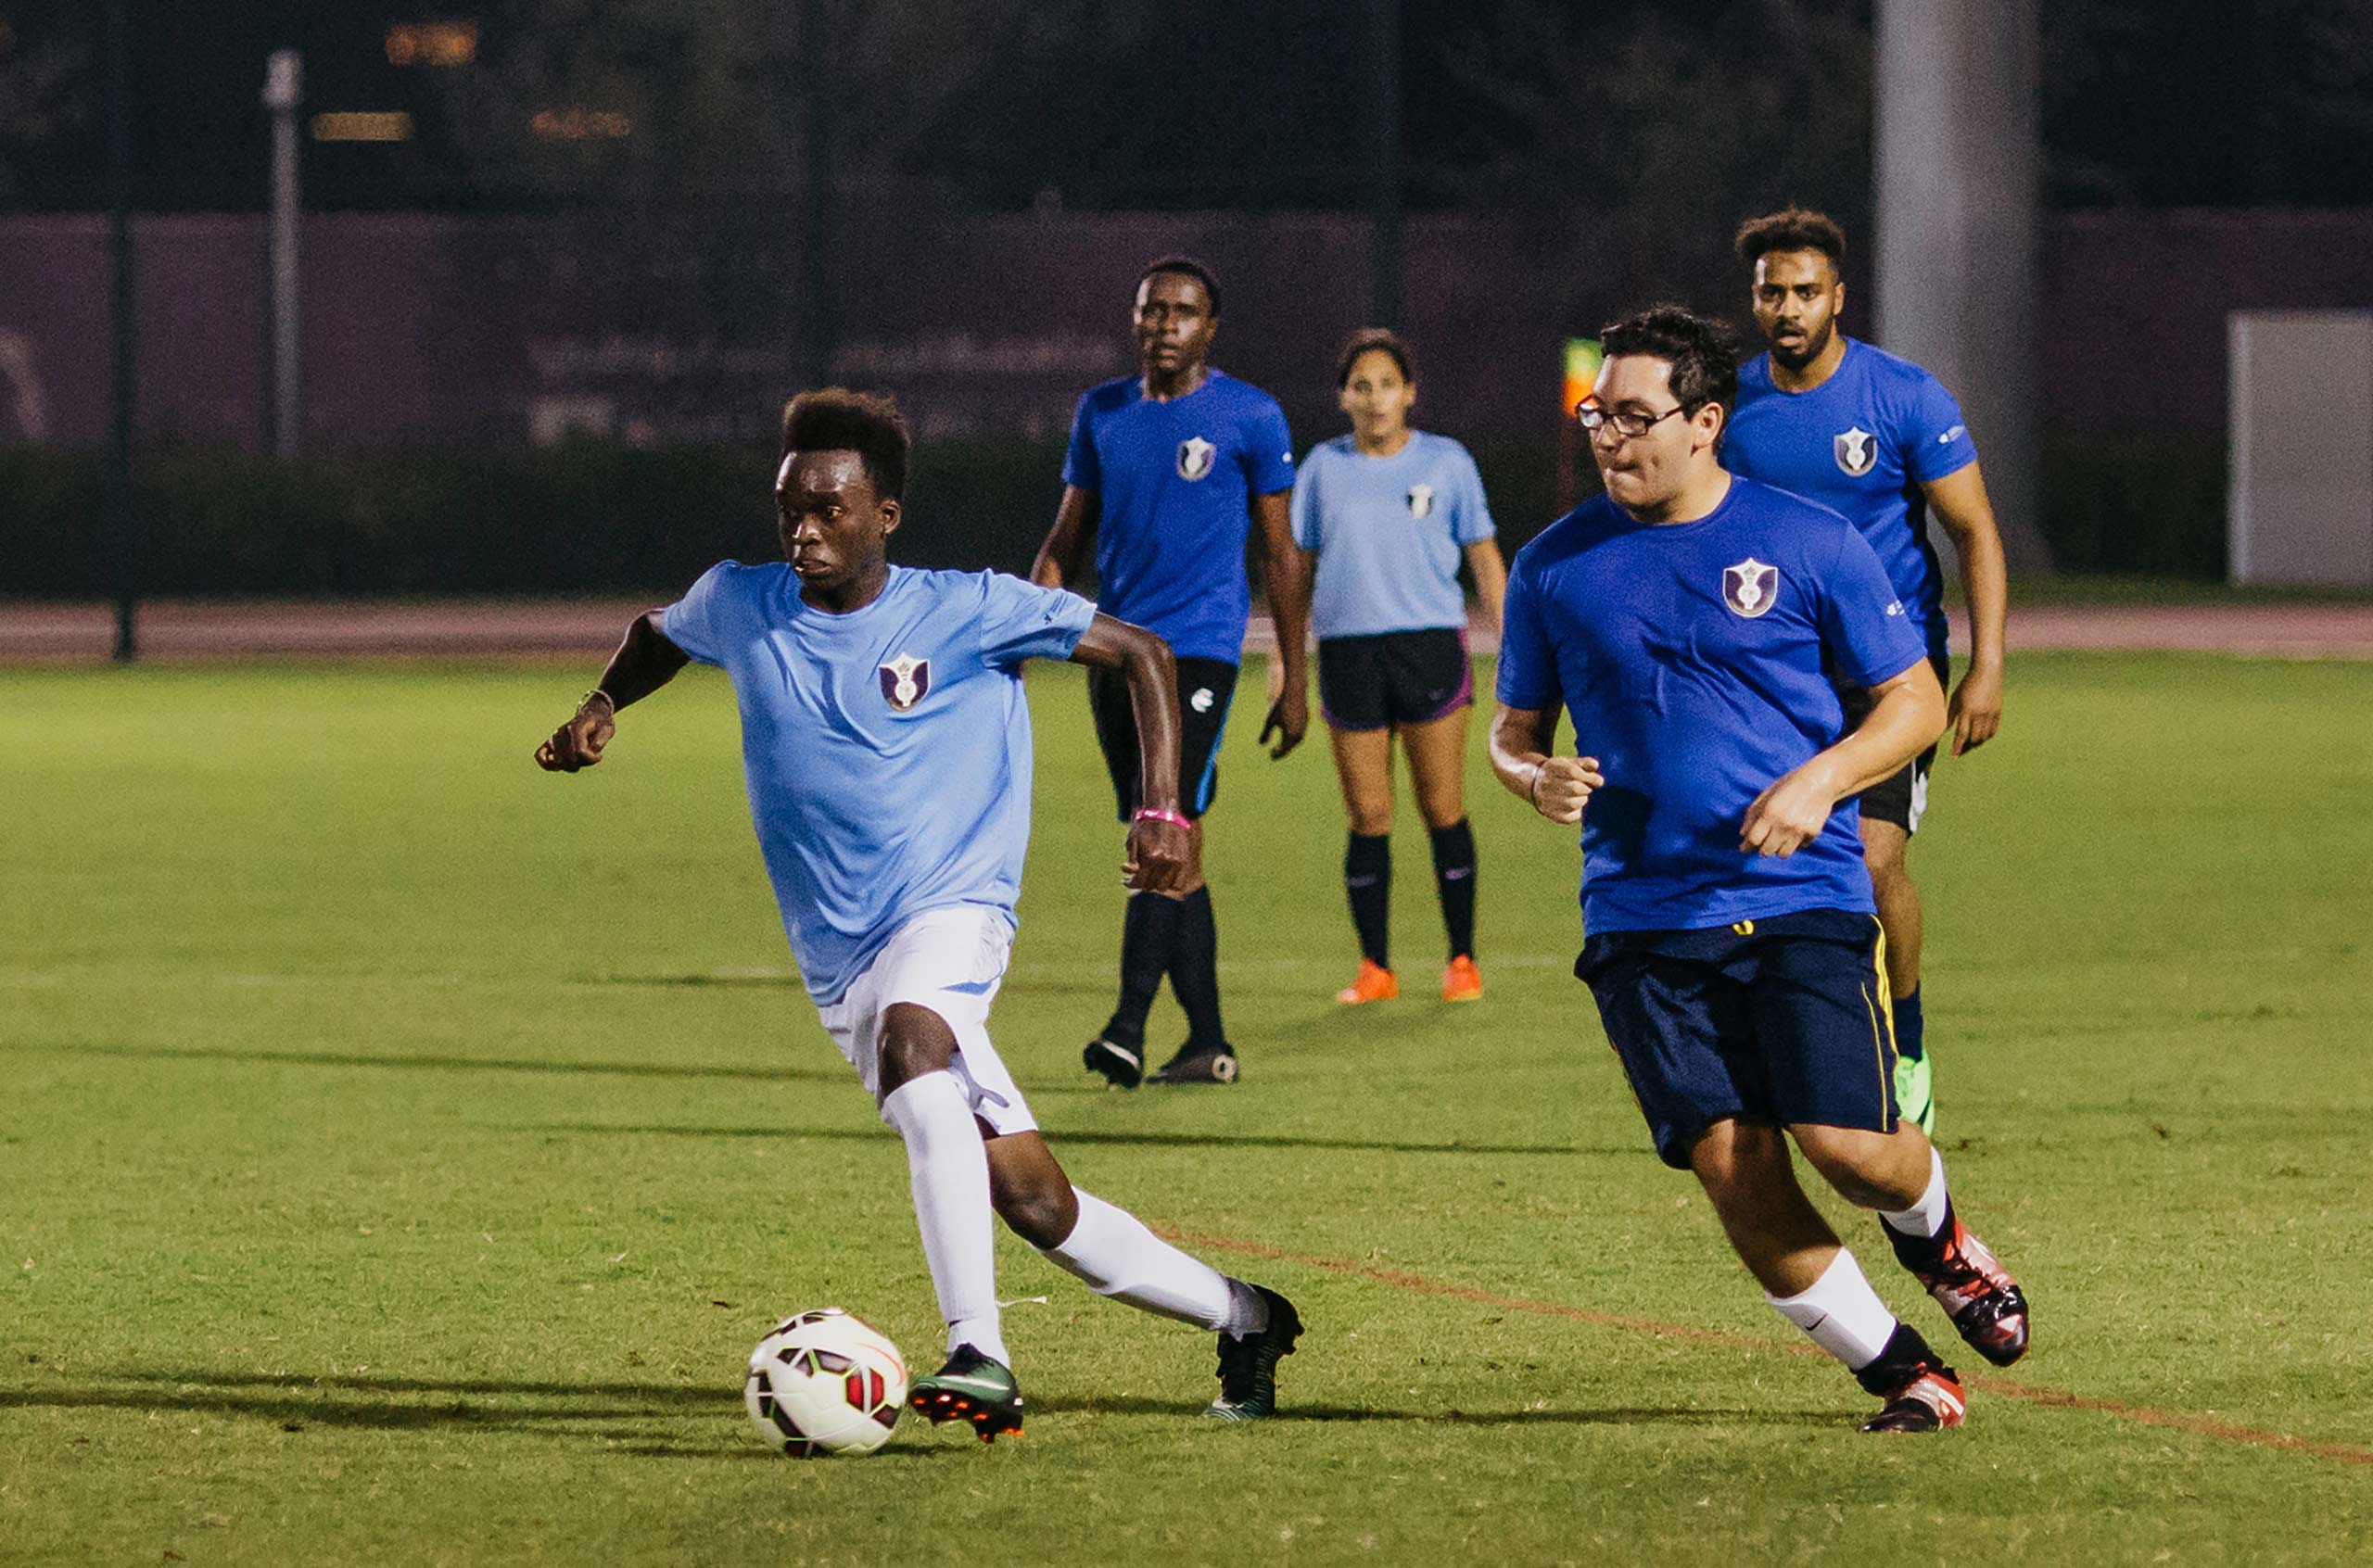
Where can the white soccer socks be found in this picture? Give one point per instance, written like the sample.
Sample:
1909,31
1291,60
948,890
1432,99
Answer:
1113,1252
1841,1312
949,1170
1923,1219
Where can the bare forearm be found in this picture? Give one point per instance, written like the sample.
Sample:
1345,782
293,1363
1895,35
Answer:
1520,745
1063,554
1288,583
1490,580
645,661
1152,676
1904,723
1986,585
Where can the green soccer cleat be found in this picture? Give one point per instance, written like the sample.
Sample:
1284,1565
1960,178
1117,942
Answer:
1249,1364
1915,1095
970,1387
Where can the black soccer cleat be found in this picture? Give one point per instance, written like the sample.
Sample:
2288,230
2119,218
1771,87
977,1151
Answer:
1122,1068
1198,1063
970,1387
1930,1401
1986,1304
1249,1364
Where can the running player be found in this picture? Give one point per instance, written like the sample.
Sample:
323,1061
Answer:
1878,439
1389,512
886,744
1168,470
1688,620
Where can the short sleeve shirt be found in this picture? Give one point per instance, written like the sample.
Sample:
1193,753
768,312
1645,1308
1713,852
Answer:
1862,444
1696,660
1389,532
887,750
1175,481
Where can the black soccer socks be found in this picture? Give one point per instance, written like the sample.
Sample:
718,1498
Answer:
1194,967
1148,935
1367,880
1455,881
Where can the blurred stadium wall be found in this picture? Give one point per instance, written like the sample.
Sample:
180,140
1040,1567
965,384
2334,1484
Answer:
442,352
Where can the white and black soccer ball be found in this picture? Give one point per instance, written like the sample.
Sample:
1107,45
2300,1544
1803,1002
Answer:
825,1383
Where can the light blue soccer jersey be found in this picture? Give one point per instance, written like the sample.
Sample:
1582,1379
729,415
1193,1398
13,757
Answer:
887,750
1862,443
1389,532
1176,481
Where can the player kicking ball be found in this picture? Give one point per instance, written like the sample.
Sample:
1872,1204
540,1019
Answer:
1689,620
886,744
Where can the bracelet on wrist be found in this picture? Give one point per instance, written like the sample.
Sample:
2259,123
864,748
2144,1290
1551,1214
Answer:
586,701
1149,813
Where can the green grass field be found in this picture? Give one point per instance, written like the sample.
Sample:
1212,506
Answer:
400,1150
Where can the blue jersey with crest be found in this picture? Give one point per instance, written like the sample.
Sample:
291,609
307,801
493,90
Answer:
1861,444
887,750
1389,533
1696,660
1174,481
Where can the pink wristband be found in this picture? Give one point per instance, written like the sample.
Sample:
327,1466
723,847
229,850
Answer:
1148,815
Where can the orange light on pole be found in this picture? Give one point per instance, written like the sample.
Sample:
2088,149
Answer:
433,44
1582,361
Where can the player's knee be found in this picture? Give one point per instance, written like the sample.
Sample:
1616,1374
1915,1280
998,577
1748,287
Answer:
1846,1158
1370,818
1041,1211
914,1041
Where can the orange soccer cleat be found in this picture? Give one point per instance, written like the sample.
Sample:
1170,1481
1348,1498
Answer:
1462,982
1376,984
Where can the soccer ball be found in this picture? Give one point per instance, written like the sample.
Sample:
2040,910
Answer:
825,1383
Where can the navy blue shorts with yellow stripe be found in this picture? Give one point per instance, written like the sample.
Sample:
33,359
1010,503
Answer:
1777,1020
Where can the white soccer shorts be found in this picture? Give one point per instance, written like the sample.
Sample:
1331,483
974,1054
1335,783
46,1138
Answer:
950,961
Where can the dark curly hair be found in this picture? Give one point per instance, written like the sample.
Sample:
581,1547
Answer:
1791,228
836,419
1704,356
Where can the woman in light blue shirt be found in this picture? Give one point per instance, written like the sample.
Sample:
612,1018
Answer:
1391,511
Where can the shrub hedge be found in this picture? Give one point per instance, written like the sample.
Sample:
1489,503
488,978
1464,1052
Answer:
594,517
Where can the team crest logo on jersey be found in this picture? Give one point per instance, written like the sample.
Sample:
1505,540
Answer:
1421,500
1195,456
904,681
1855,450
1750,587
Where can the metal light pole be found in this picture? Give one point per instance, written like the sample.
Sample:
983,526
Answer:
1383,165
284,88
120,526
1954,89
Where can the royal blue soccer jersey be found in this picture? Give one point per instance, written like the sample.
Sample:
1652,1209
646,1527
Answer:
1389,532
1176,481
887,750
1862,443
1696,660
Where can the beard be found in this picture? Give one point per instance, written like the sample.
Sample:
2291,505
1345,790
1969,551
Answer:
1807,350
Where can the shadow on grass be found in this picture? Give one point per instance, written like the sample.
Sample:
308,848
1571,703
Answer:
1617,1415
394,1404
459,1064
1074,1138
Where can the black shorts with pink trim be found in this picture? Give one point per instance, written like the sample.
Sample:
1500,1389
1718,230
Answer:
1393,679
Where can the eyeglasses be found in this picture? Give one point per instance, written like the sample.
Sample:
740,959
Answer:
1590,416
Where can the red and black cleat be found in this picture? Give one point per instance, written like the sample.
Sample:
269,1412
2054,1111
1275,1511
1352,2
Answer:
1931,1401
1985,1303
975,1388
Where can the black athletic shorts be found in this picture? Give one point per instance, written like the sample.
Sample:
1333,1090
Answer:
1902,796
1780,1021
1205,687
1393,678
